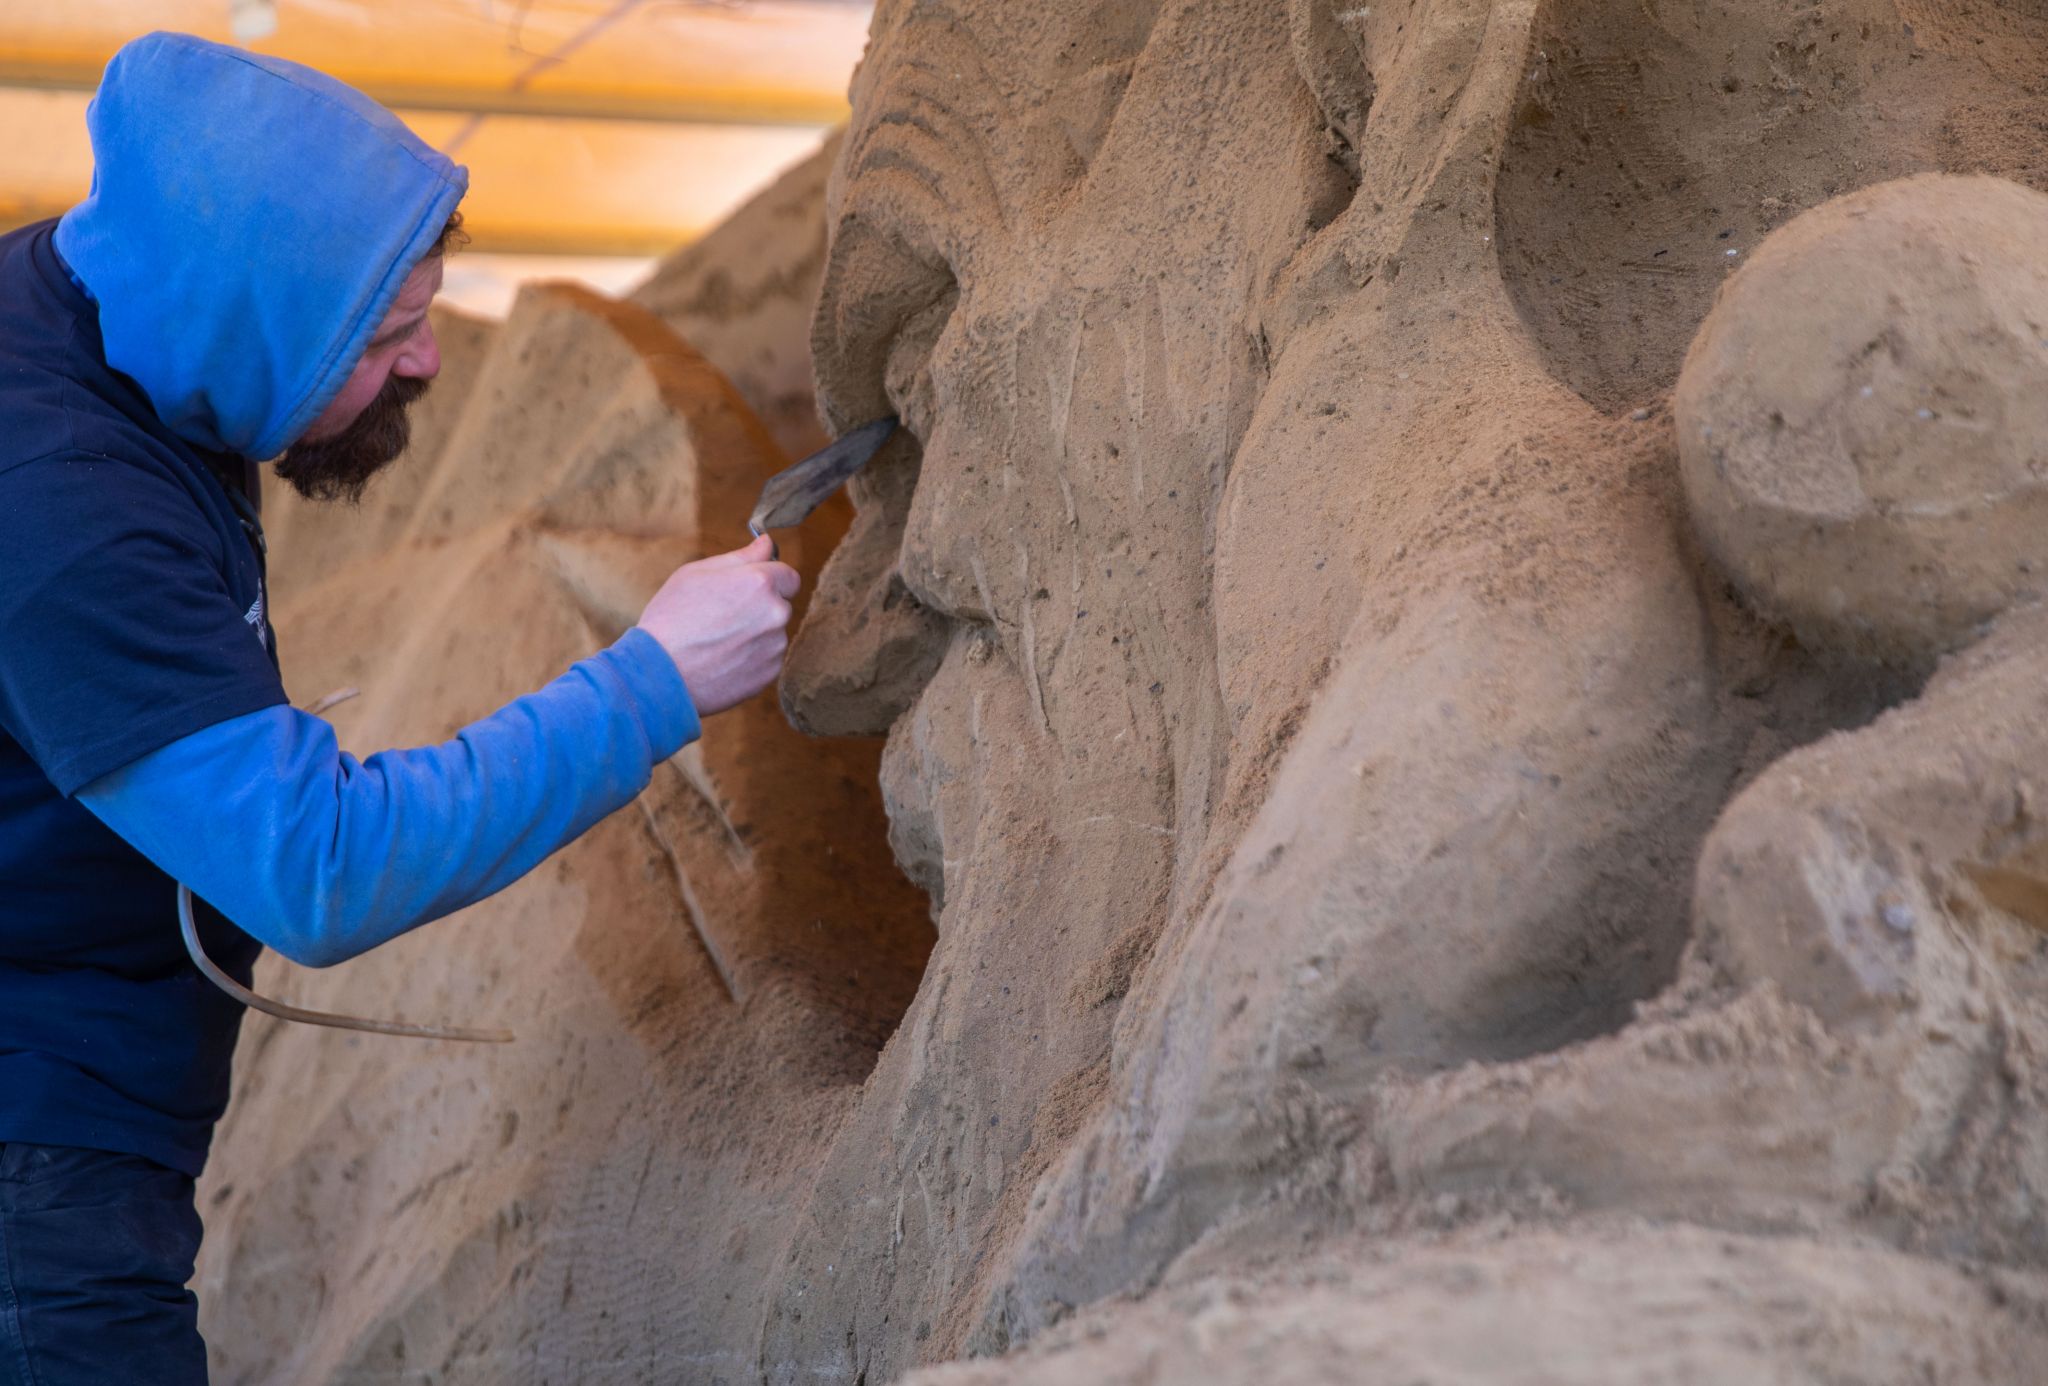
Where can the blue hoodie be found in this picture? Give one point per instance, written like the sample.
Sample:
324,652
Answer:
250,225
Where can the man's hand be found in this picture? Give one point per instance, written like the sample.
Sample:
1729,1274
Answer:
725,622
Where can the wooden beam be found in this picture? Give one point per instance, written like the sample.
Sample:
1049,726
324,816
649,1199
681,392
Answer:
625,241
484,238
680,107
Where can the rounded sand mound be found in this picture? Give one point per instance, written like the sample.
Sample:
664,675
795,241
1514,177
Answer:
1863,418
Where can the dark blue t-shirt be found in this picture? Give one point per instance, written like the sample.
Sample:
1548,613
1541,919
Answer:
132,613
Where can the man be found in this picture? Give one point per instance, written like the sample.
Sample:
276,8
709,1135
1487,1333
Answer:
250,276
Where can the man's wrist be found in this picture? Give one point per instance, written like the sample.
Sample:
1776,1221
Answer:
658,689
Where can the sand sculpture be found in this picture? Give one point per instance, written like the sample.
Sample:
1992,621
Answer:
698,987
1459,851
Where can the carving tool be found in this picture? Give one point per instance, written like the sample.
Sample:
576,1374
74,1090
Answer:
794,492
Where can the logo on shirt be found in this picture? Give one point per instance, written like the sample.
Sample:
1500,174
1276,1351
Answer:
254,616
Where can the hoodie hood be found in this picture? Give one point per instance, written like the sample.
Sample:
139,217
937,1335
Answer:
250,223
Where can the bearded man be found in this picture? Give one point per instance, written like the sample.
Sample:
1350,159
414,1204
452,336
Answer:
249,279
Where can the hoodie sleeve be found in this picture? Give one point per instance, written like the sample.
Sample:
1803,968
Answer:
323,857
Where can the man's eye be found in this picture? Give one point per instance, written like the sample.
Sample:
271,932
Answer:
384,343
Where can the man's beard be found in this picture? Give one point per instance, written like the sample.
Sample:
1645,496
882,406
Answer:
338,468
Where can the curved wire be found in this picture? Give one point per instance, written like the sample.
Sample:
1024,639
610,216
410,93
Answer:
190,932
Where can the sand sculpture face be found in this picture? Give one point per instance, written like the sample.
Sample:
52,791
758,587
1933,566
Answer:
1287,612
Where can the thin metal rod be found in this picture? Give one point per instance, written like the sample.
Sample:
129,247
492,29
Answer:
190,930
333,700
691,909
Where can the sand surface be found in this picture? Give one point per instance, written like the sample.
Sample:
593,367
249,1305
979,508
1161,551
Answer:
1418,895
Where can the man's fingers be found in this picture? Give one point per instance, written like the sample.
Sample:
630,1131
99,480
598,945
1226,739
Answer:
759,551
738,558
784,579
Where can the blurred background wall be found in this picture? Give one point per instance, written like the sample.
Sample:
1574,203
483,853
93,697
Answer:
599,134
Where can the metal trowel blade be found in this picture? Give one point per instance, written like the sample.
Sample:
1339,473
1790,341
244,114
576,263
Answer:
793,493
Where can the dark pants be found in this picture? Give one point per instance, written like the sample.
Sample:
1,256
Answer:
95,1250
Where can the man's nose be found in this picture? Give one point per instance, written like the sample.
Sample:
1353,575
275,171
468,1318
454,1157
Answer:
421,358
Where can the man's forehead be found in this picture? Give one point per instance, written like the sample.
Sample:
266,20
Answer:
415,296
420,286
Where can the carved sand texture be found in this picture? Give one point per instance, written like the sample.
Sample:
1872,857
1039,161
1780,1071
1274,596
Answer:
1419,892
403,1210
1326,675
1860,419
1625,1304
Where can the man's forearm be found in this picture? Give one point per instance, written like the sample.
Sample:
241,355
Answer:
322,857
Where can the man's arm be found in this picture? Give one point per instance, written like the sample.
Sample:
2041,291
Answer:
323,857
